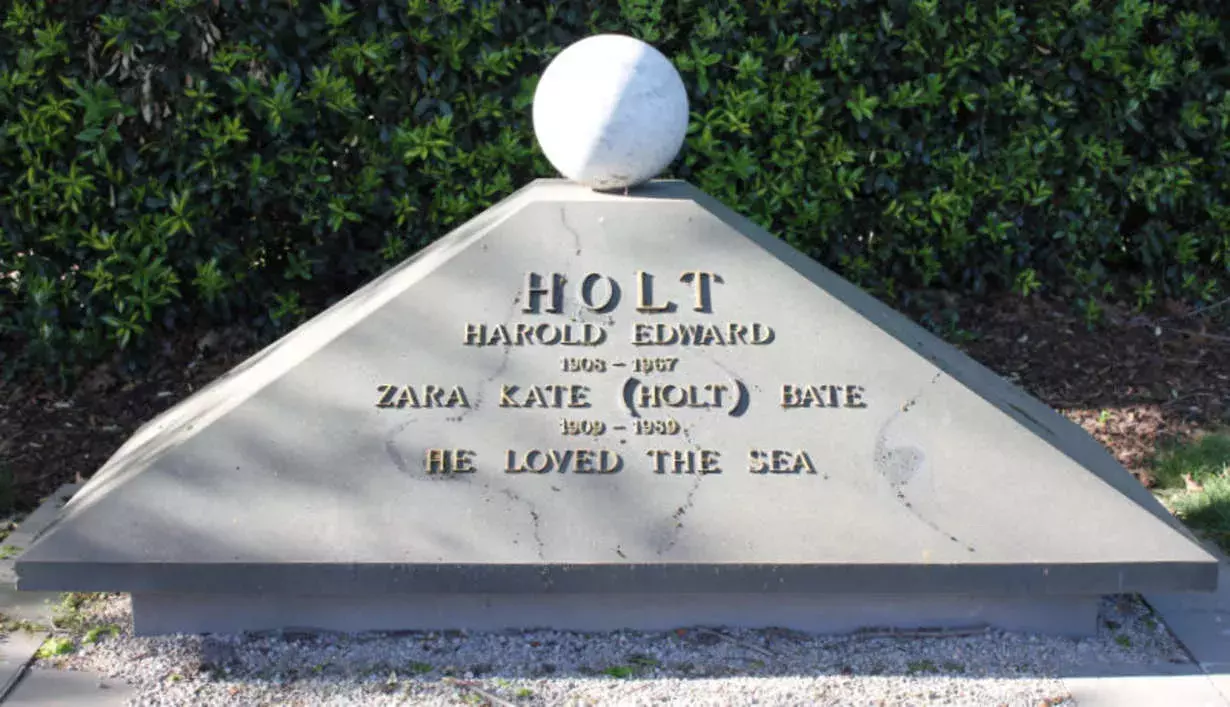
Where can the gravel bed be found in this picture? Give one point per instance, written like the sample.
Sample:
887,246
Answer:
685,667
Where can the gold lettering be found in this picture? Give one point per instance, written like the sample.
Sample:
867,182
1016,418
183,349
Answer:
736,332
409,396
537,455
641,331
644,295
806,396
779,461
476,335
499,336
762,334
534,290
802,462
756,463
387,394
548,334
449,461
524,335
587,293
575,461
545,396
457,398
675,461
730,334
583,461
577,395
679,396
701,280
535,398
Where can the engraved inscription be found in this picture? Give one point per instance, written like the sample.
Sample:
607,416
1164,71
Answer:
427,396
669,426
449,461
702,281
822,396
601,293
575,461
779,461
544,396
654,365
522,334
553,304
731,334
707,395
588,428
677,461
583,365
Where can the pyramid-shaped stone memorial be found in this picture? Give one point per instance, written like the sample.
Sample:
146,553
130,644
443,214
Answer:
588,410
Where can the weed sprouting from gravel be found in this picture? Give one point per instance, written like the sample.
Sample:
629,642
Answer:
55,646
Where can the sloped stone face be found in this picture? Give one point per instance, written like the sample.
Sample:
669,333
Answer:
582,392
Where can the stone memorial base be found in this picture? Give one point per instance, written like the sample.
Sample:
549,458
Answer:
155,614
596,411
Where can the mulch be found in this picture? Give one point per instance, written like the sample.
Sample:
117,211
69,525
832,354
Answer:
1131,382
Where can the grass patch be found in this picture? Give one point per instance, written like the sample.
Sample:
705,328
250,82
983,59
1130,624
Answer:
68,614
8,625
638,663
1194,483
94,635
921,666
55,646
417,668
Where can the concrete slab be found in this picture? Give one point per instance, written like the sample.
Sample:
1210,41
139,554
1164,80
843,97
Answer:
1143,686
584,393
1201,621
34,607
816,613
63,688
17,649
29,529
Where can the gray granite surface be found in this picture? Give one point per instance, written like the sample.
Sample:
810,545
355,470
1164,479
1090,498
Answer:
808,439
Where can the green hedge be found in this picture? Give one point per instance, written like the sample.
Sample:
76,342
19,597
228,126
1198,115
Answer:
167,165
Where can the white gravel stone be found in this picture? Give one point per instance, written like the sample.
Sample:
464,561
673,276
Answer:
610,112
684,667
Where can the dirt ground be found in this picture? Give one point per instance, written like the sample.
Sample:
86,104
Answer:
1130,382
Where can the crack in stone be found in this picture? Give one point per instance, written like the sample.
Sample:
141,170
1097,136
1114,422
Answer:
898,466
507,354
539,547
911,402
576,237
678,515
391,450
687,435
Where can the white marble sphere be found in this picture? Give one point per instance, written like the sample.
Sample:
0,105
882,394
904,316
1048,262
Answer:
610,112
